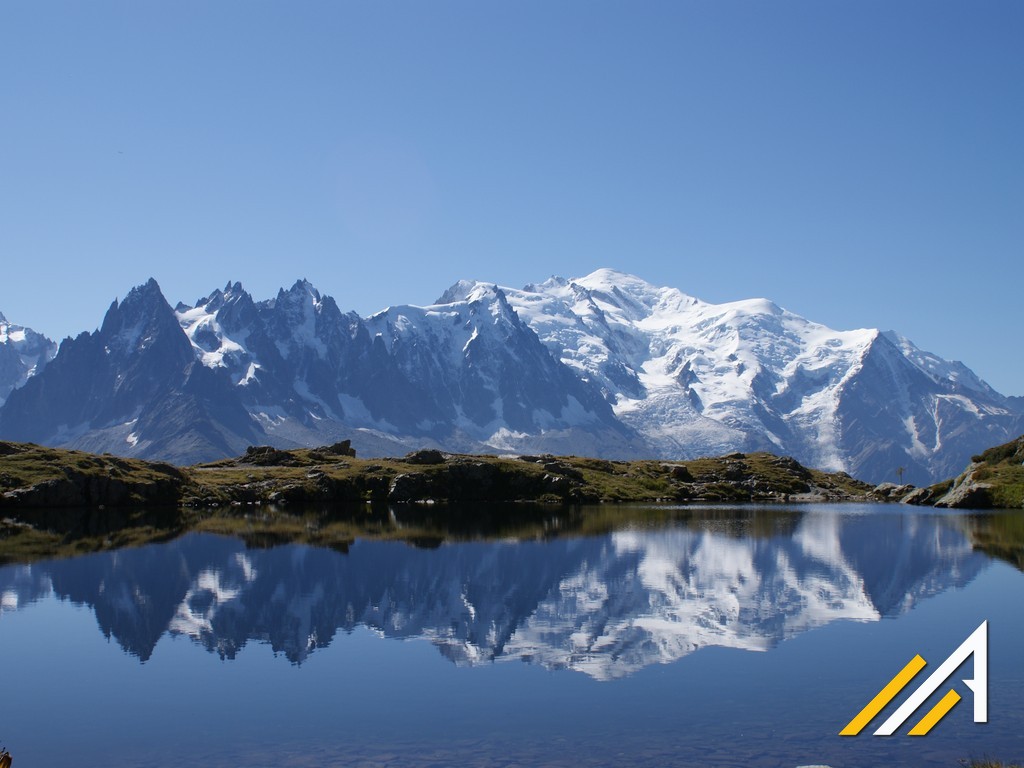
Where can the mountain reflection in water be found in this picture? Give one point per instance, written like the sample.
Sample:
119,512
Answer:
606,605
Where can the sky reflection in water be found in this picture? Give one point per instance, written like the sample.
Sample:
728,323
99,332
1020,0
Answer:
636,646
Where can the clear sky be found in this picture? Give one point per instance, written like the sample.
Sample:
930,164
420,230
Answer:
860,163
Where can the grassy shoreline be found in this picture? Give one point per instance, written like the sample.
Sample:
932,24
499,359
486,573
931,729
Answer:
36,477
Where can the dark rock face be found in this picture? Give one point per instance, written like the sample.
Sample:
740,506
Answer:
133,387
80,489
85,383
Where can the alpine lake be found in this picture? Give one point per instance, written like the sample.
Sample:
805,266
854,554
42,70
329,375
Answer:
614,635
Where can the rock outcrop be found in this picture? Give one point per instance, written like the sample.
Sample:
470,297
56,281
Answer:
967,492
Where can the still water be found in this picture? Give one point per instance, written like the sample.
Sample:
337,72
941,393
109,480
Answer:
706,637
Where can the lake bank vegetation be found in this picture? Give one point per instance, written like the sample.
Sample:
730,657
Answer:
32,476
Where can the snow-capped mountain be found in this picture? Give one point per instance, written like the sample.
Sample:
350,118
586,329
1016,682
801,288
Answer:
701,379
204,381
606,606
23,353
465,375
604,365
133,387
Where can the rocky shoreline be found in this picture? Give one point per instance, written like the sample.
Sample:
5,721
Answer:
35,477
993,480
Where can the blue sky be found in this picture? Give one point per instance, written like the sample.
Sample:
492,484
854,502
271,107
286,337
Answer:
861,163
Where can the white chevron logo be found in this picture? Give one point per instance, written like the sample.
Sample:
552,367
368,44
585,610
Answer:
976,645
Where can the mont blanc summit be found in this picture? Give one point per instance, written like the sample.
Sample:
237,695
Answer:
695,378
606,365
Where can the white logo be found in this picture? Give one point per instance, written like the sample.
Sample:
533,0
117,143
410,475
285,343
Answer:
976,645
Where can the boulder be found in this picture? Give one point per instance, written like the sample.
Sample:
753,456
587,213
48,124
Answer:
967,495
678,472
917,497
891,491
344,448
425,456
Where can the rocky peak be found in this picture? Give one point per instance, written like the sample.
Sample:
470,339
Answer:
139,320
552,282
301,292
459,291
23,353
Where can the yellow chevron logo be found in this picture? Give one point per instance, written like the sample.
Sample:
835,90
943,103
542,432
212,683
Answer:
976,645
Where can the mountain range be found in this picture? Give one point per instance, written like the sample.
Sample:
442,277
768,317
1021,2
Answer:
605,365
